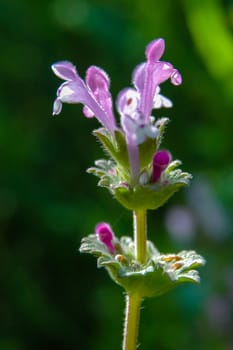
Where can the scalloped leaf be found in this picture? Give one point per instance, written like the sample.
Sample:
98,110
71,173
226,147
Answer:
160,274
147,196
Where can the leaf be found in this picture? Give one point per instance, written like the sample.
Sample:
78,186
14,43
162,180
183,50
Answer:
145,197
114,146
161,273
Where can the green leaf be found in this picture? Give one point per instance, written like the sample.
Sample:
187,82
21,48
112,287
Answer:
114,146
147,196
161,272
144,198
154,195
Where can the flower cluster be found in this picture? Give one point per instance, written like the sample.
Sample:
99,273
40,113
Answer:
133,104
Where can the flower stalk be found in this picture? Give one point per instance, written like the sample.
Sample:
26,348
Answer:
140,235
132,315
133,300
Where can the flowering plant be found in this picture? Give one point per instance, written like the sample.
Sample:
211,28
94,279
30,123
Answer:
138,174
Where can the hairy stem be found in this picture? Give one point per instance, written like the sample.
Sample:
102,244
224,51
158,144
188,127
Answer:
133,300
132,314
140,235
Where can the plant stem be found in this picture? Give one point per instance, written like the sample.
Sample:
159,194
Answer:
140,235
132,314
133,300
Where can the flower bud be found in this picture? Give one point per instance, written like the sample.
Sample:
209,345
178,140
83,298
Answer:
161,160
105,235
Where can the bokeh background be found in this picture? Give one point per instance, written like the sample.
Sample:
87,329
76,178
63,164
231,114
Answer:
51,297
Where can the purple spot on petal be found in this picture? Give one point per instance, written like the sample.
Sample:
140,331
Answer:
129,101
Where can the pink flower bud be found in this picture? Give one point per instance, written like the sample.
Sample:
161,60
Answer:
161,160
105,235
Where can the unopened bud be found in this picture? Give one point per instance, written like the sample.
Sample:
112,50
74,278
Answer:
105,235
161,160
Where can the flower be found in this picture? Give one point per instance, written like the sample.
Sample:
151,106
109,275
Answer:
135,104
105,235
93,94
149,75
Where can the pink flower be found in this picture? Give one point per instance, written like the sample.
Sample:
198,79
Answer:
93,94
149,75
135,104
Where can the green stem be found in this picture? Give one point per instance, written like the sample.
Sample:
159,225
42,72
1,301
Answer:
133,300
132,314
140,235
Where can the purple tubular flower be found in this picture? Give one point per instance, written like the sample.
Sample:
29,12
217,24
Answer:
94,94
161,160
135,104
105,234
148,76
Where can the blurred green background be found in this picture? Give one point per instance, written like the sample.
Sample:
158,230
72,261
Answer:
50,295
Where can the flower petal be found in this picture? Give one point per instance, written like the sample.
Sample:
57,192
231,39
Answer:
65,70
151,131
97,79
176,77
138,78
161,72
136,132
127,101
155,50
98,82
161,101
88,112
129,125
74,92
57,107
155,74
77,92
